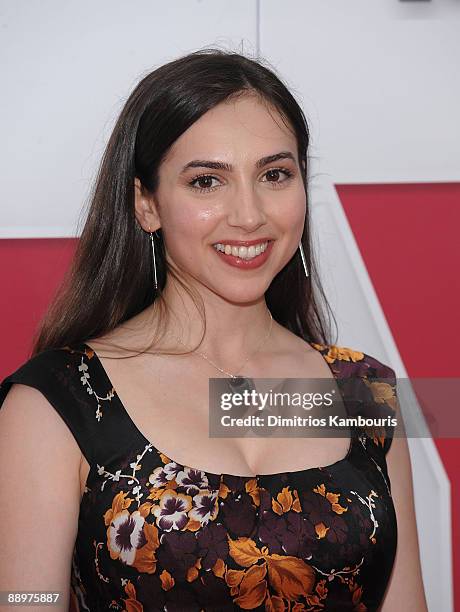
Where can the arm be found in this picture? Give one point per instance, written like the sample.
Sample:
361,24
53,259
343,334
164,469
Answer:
405,590
40,493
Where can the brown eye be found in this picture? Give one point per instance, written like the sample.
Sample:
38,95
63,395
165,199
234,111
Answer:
203,183
273,175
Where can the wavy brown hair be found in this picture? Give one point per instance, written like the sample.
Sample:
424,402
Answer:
109,280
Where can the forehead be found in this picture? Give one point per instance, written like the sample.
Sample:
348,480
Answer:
245,127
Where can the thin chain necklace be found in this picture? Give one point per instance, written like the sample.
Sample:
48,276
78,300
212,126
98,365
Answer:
246,360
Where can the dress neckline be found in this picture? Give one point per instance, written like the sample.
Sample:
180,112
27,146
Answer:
85,348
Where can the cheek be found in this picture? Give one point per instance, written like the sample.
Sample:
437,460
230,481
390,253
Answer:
289,211
181,211
192,223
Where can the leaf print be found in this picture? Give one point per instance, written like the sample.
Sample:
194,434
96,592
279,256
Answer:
224,490
289,576
219,568
252,488
144,510
333,498
277,507
155,494
164,458
274,603
131,604
321,530
233,579
119,503
315,599
244,551
321,589
285,499
285,502
178,552
291,533
383,393
343,353
238,514
321,489
296,507
357,592
316,507
377,435
145,560
167,581
194,571
337,531
252,588
193,525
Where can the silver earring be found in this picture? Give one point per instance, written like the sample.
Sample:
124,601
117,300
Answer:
303,259
155,280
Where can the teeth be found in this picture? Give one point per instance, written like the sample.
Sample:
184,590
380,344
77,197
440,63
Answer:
242,252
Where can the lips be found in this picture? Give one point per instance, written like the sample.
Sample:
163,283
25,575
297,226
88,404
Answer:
246,243
245,264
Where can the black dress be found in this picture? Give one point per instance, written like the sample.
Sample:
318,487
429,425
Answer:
157,535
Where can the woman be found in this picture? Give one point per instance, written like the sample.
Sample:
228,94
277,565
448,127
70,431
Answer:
195,263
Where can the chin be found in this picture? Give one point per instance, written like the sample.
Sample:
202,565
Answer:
242,295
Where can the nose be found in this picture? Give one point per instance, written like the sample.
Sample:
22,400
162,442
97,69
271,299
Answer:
246,209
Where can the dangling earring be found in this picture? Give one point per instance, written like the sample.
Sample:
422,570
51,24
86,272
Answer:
303,259
155,280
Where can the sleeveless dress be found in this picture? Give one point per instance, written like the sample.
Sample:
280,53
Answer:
154,534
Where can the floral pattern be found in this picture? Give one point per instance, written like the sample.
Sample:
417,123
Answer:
157,535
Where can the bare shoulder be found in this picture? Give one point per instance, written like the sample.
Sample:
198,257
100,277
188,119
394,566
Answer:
127,338
39,475
27,412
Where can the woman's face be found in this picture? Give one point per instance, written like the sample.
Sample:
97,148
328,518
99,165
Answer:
219,185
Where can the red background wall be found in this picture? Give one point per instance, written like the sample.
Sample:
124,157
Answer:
408,236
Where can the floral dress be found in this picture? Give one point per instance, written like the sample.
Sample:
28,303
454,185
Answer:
154,534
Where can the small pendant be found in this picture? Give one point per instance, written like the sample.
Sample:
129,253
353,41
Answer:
241,383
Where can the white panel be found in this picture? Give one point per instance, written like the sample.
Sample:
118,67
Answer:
379,82
67,69
362,325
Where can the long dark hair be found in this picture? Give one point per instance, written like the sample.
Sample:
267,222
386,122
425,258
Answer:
110,277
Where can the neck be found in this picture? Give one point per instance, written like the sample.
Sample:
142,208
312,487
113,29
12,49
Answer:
233,330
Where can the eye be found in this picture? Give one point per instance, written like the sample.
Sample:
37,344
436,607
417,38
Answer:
203,182
274,174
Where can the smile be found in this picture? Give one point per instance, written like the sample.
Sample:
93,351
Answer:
243,252
243,257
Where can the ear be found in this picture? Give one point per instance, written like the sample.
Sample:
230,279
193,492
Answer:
145,206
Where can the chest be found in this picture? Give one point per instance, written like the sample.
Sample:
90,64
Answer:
168,403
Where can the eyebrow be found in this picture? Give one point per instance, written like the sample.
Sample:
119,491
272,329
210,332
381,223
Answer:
217,165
